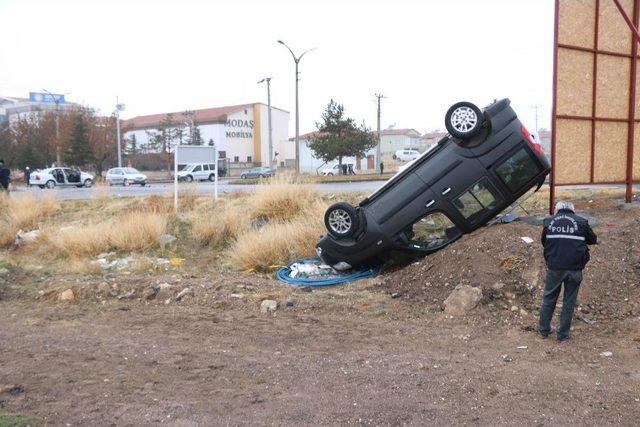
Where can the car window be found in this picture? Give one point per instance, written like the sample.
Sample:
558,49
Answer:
212,167
518,170
118,172
432,231
197,168
130,170
477,199
205,167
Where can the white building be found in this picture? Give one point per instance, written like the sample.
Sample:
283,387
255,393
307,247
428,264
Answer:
241,132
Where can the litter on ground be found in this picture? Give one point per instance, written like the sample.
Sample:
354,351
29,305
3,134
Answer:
314,272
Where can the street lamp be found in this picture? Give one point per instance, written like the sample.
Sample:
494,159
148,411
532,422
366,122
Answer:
268,80
56,100
119,107
296,60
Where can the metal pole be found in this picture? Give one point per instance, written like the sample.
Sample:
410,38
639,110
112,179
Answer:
270,128
552,178
378,148
215,182
118,132
58,160
297,122
175,179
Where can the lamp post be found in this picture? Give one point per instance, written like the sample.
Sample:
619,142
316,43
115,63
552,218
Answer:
119,107
268,80
56,100
296,60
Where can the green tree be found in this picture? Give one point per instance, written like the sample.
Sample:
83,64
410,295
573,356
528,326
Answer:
339,136
79,152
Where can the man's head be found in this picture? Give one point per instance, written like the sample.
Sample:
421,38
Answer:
1,162
565,205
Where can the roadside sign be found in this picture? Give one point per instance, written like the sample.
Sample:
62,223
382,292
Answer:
184,154
46,98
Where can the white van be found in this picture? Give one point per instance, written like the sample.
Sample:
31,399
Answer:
406,155
197,172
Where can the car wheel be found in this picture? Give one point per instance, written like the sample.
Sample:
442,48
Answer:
395,157
212,177
41,186
50,184
341,220
189,178
88,183
263,175
330,174
243,176
463,120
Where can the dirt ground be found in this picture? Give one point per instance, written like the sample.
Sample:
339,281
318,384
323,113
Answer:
127,351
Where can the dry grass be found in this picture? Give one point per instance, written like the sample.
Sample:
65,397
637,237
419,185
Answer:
136,231
278,243
280,200
23,213
221,226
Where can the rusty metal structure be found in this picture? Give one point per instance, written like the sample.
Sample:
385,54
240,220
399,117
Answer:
595,112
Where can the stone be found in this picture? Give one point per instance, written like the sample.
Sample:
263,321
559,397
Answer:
238,296
462,300
127,295
25,237
268,306
164,291
150,293
166,239
3,271
497,286
606,354
183,293
66,295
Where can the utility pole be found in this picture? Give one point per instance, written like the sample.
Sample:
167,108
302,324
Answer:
536,107
378,148
297,60
56,100
268,80
119,107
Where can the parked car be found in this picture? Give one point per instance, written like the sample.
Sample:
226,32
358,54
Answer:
125,176
335,169
486,162
261,172
197,172
62,177
406,155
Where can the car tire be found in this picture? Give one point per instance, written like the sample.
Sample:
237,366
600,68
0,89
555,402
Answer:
395,157
263,176
330,174
463,120
243,176
341,220
143,184
51,184
212,177
88,183
189,178
41,186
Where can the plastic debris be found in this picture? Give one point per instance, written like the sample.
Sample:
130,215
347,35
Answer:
314,272
527,240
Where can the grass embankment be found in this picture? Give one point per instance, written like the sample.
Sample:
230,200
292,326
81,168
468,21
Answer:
257,231
320,179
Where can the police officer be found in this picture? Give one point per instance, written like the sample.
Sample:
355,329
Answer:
565,237
5,176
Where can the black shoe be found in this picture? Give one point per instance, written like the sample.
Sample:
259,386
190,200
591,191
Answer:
564,339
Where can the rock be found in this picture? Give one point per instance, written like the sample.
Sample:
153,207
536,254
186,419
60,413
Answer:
268,306
238,296
462,300
183,293
514,308
3,271
150,293
396,295
164,291
606,354
66,295
165,239
127,295
290,302
25,237
497,286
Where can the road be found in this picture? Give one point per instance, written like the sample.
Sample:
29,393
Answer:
166,189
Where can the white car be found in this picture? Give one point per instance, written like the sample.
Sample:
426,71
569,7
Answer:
62,177
334,170
406,155
125,176
197,172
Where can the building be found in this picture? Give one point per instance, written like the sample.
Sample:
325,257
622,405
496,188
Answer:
13,108
392,140
240,132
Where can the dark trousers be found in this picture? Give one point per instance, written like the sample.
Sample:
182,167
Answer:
555,279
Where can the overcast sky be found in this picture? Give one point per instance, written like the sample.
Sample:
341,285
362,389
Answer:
164,56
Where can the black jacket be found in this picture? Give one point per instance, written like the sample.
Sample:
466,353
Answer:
565,237
5,176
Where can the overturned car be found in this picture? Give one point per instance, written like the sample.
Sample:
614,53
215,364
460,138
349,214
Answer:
486,162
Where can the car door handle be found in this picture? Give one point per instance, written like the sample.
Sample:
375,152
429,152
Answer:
431,202
446,191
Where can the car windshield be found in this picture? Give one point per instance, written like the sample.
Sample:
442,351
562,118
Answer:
186,167
130,170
